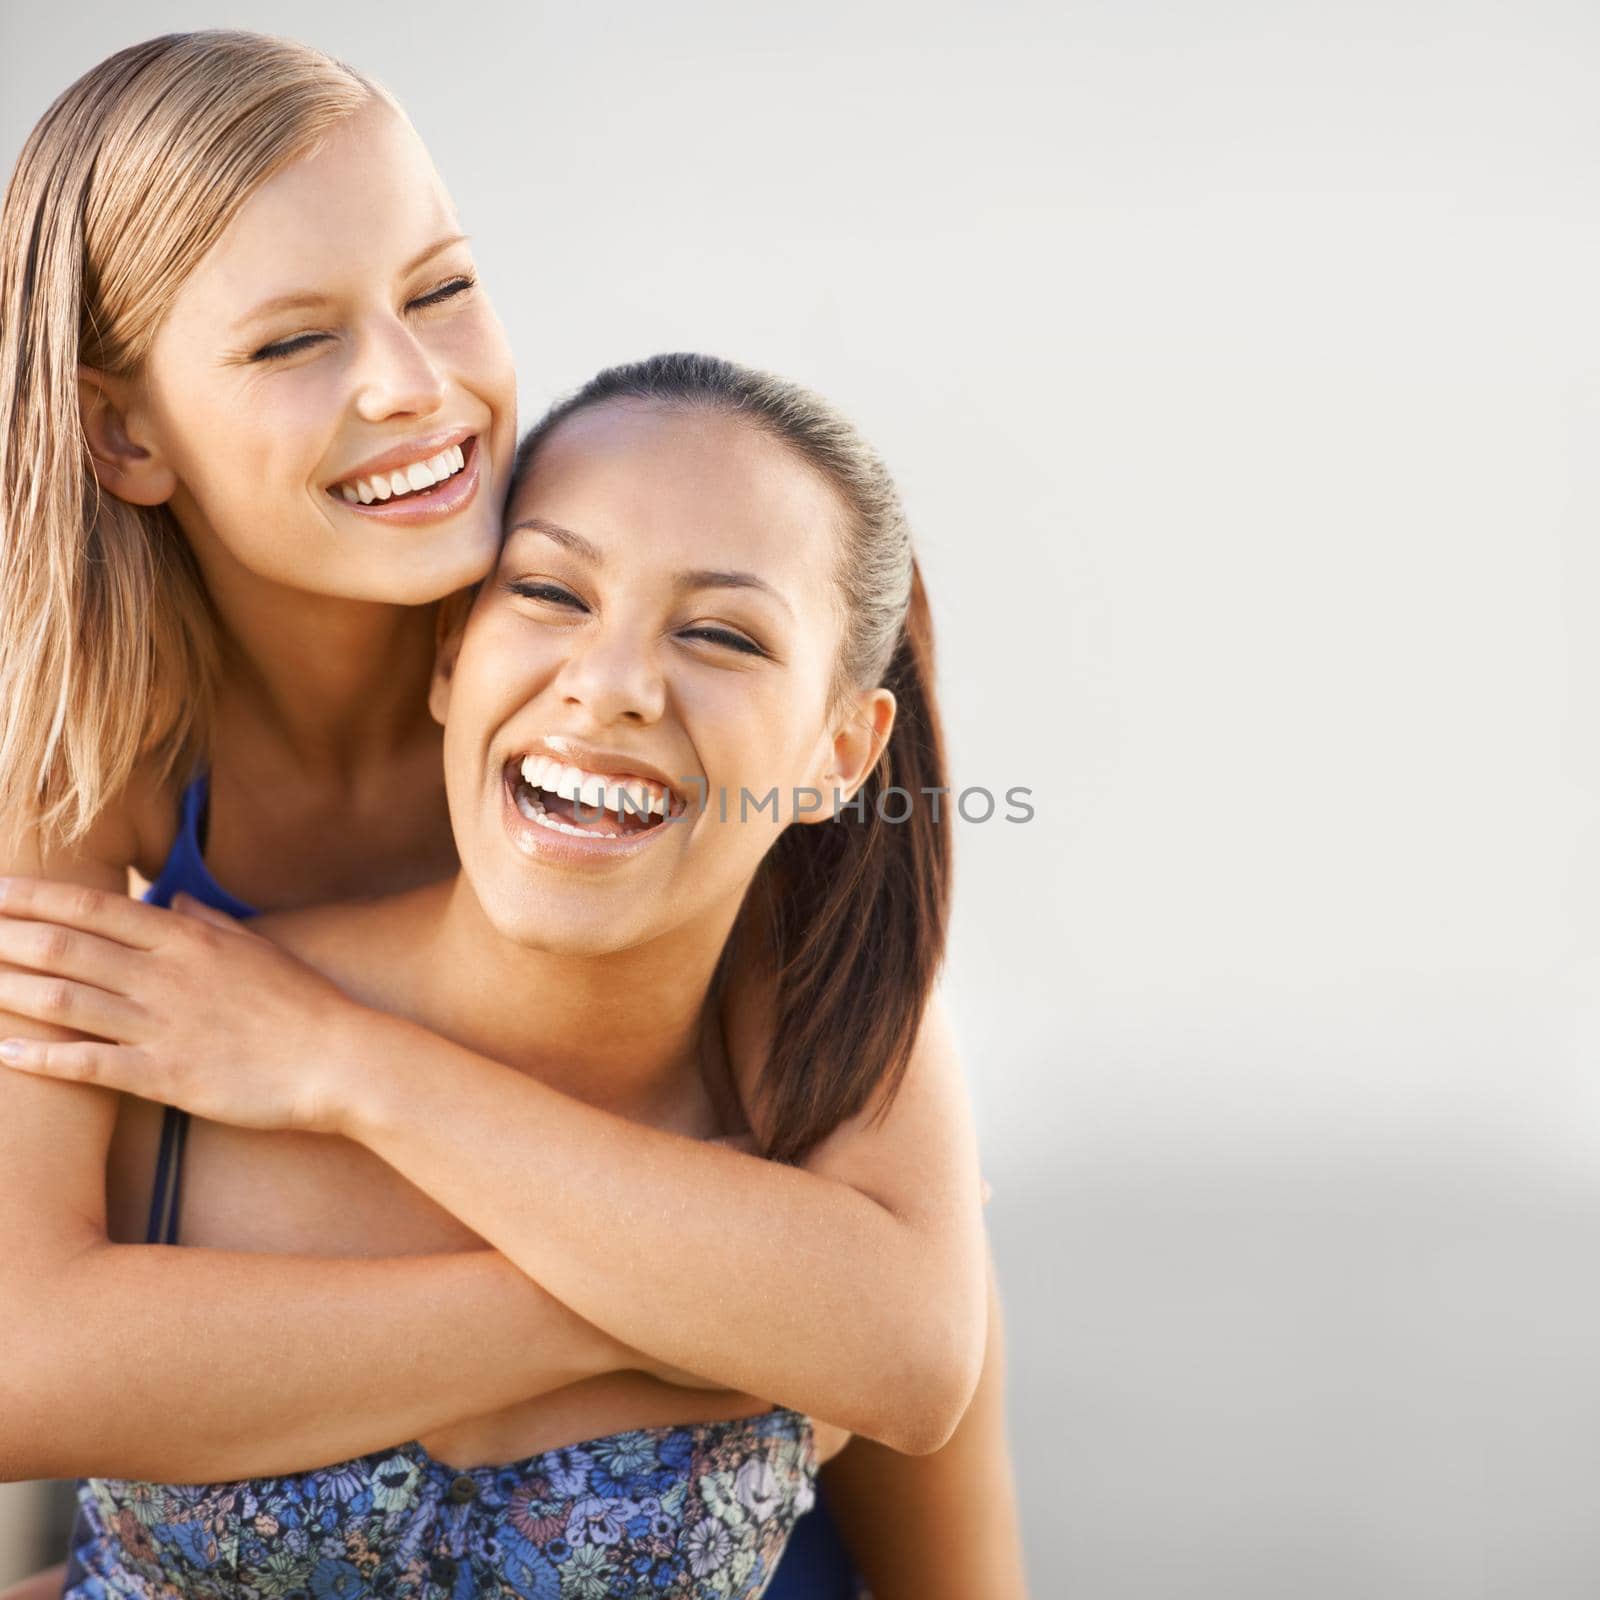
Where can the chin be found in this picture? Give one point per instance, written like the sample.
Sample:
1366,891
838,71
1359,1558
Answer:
456,561
556,929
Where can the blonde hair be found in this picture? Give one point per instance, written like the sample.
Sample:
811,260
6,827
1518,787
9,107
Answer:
108,653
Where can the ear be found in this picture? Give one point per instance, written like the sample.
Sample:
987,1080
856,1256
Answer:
126,461
450,623
848,757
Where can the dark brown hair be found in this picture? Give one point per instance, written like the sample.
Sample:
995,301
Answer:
850,914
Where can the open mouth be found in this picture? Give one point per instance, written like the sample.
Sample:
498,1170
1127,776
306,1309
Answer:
417,484
567,799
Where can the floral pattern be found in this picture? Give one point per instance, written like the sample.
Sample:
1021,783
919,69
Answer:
686,1512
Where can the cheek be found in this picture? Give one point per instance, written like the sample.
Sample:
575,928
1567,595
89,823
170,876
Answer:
472,713
476,347
250,444
500,667
757,744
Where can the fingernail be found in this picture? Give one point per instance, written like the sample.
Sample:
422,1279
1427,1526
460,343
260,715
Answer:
10,1050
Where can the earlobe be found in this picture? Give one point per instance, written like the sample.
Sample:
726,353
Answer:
444,668
123,465
439,687
439,696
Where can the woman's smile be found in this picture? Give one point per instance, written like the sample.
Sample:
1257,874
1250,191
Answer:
568,824
415,483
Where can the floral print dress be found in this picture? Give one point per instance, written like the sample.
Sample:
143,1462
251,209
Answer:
681,1512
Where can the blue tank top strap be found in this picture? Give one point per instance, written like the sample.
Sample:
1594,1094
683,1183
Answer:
166,1191
184,869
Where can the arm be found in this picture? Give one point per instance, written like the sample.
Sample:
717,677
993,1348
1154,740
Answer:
851,1289
46,1585
150,1362
942,1526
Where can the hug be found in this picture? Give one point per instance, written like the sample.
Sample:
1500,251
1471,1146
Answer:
563,1166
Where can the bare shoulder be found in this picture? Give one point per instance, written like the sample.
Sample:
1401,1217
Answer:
916,1152
357,943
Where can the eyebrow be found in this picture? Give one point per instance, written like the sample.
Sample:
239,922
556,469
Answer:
696,578
299,299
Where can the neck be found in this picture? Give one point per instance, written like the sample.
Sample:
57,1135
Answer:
342,684
624,1031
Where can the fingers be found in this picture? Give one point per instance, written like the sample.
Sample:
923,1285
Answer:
108,1065
64,953
76,905
78,1006
201,912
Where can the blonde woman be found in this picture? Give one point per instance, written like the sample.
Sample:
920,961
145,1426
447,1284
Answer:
232,284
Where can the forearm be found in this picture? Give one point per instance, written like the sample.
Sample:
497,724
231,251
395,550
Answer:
193,1365
768,1279
942,1526
46,1585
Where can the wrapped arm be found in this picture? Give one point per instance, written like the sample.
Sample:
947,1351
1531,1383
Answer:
851,1288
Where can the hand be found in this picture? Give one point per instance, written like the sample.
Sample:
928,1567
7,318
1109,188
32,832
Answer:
191,1010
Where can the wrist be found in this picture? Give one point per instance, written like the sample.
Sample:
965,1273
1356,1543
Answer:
357,1068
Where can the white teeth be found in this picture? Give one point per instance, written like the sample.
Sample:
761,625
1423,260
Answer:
408,480
532,807
636,797
592,790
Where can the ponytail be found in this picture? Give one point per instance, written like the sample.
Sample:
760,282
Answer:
856,913
848,916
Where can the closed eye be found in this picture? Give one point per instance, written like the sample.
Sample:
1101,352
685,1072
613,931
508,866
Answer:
735,641
556,595
288,347
445,291
545,591
304,341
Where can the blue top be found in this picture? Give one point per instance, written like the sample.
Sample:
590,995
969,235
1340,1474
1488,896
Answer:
184,871
610,1511
185,868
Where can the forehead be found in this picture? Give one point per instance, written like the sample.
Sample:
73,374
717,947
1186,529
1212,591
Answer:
686,487
364,199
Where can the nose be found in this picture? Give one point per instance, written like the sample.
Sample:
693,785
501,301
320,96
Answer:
611,675
395,376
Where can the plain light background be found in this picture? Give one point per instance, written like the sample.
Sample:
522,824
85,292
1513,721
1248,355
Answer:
1240,364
